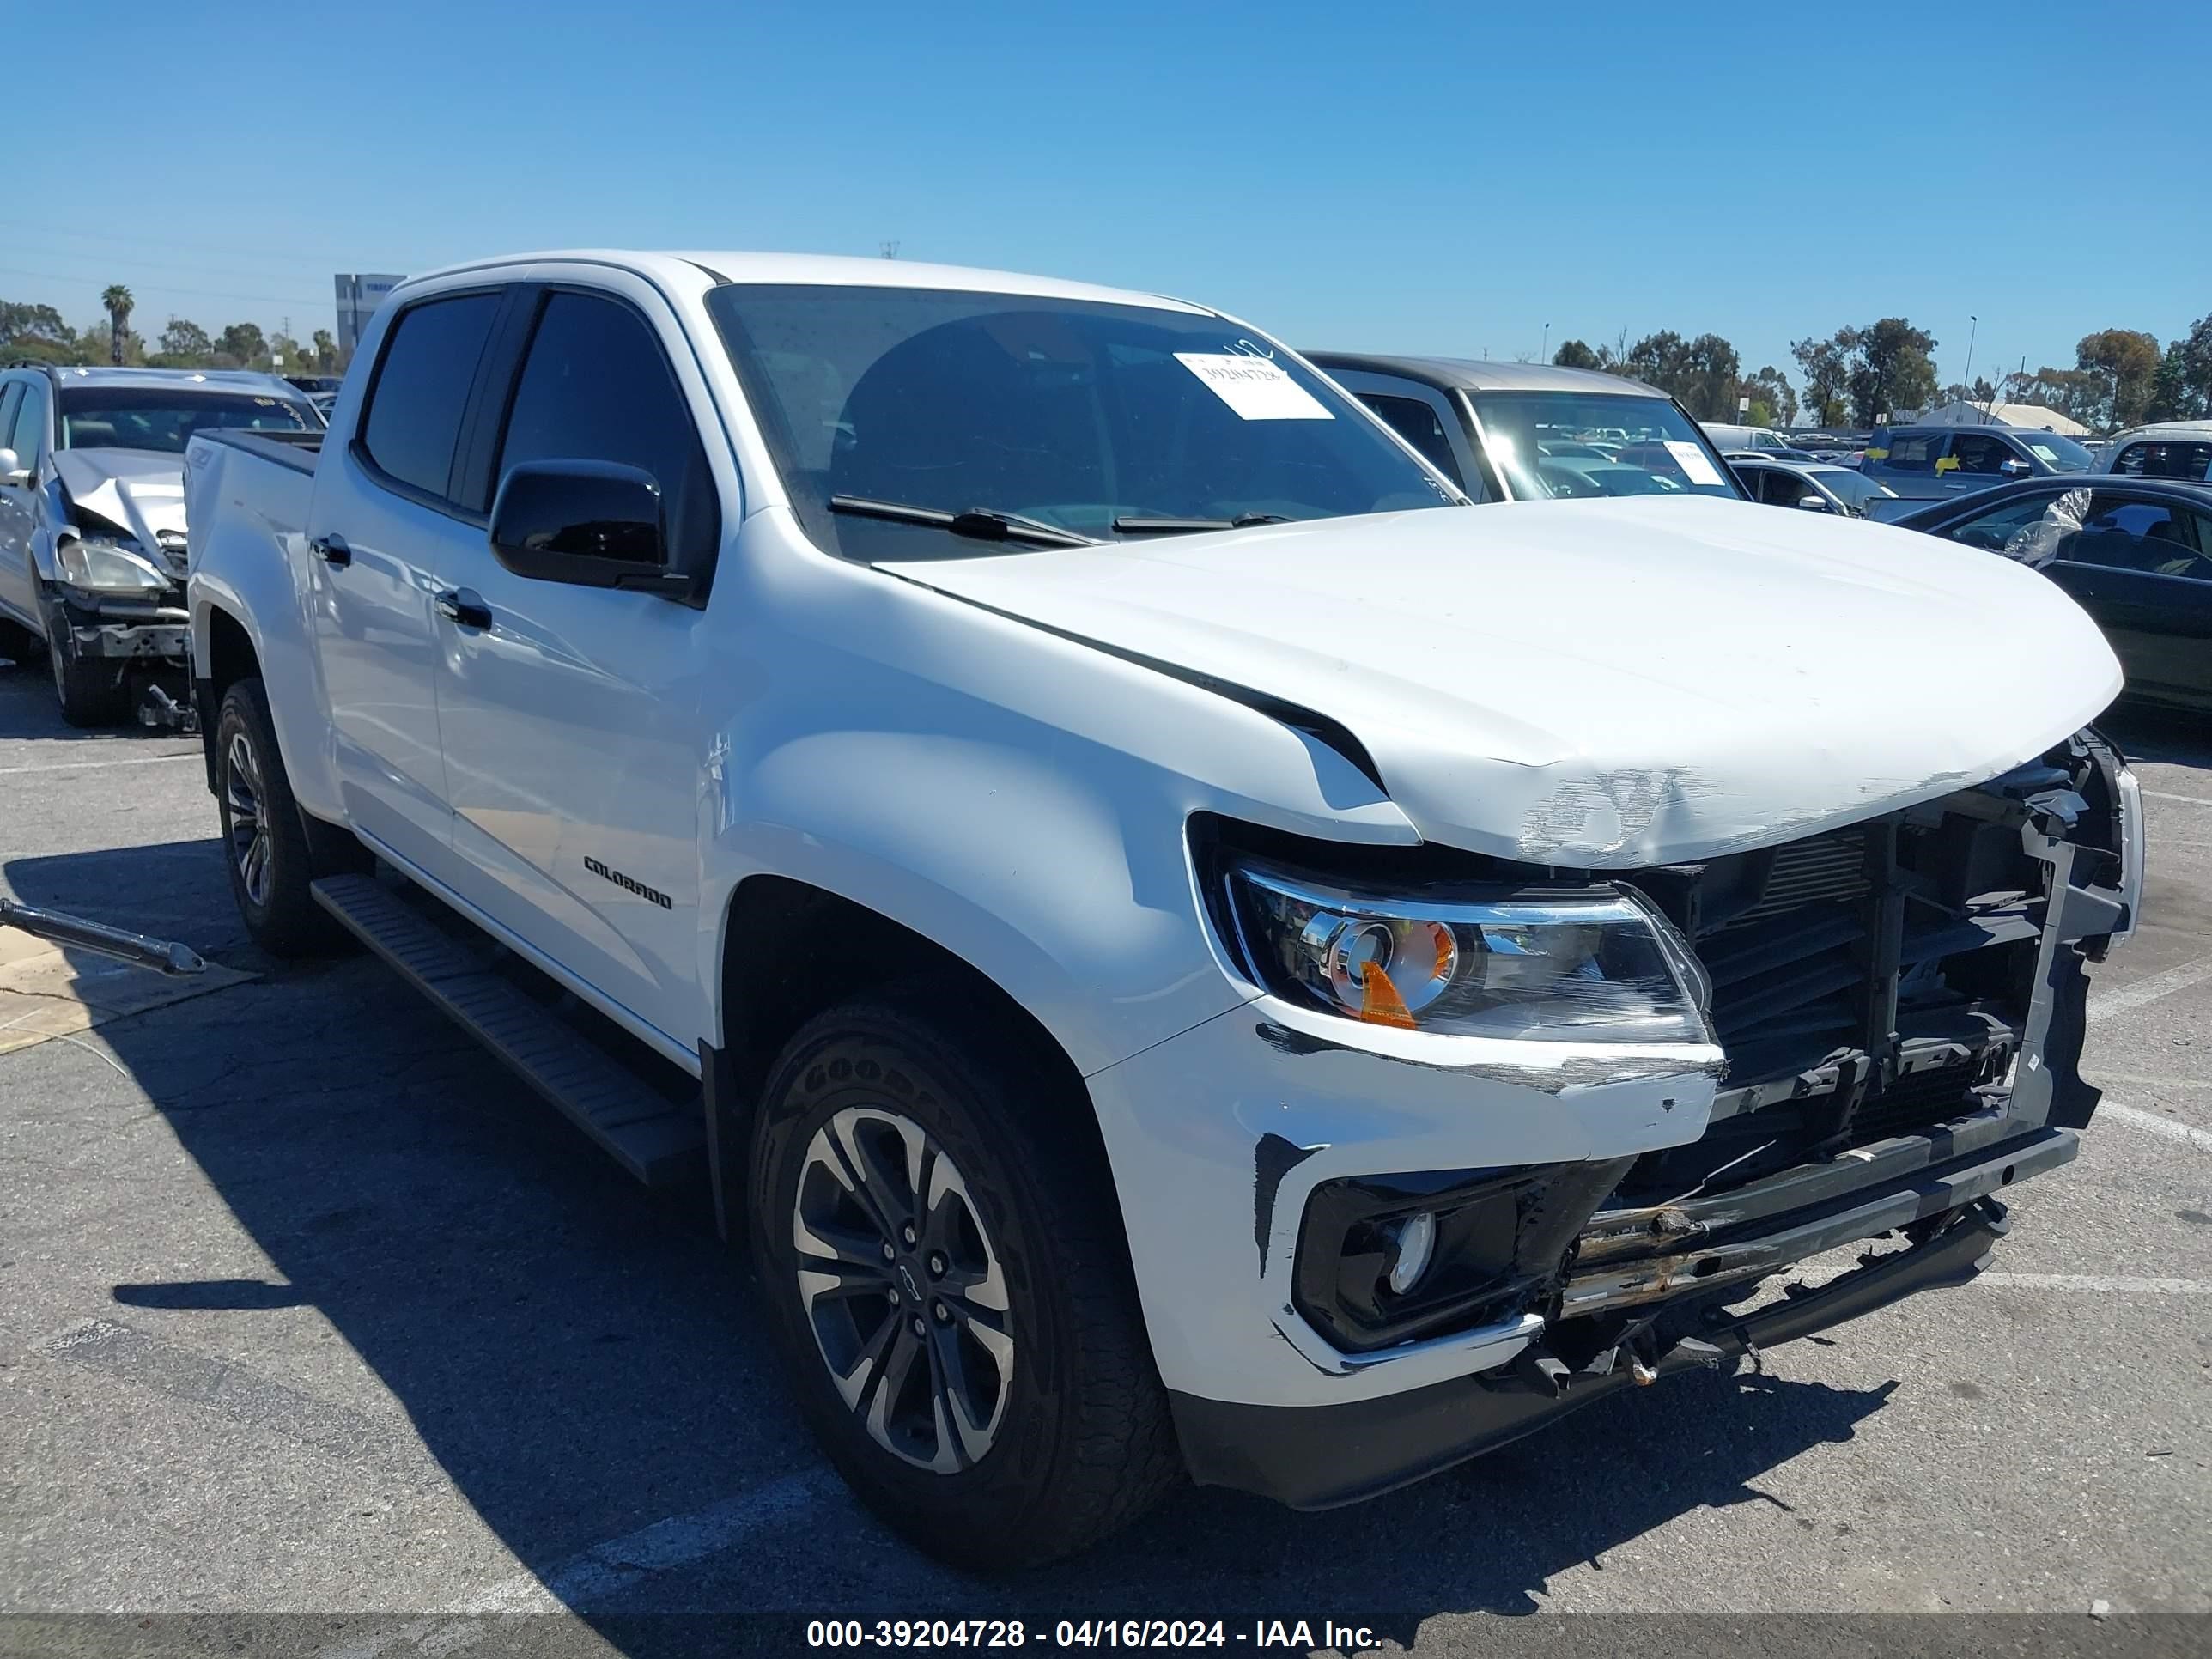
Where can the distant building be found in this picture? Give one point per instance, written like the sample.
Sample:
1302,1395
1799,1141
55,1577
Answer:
359,296
1959,412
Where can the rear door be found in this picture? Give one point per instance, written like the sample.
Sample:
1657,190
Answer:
569,714
2142,567
385,524
1909,465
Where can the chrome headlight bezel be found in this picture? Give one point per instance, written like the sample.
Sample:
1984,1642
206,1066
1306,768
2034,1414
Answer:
1474,958
108,565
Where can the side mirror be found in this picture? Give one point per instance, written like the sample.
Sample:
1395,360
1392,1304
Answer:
2013,467
12,470
591,524
1813,503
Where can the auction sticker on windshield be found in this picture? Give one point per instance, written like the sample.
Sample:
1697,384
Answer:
1691,459
1255,388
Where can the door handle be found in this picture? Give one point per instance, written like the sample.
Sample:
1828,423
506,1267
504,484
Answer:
463,608
333,549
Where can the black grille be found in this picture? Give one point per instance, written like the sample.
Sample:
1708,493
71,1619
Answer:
1821,868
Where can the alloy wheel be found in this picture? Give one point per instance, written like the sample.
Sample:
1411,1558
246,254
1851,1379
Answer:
247,831
903,1289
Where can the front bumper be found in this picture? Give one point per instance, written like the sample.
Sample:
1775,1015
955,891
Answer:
123,631
1317,1457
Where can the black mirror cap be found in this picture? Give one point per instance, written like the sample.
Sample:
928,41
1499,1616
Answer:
593,523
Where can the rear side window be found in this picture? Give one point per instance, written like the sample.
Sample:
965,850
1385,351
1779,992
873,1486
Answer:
1417,423
596,386
1912,451
423,386
2162,460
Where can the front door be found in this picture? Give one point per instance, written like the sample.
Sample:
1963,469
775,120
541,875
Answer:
384,528
569,714
2142,567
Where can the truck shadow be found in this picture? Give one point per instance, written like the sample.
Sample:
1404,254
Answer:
580,1357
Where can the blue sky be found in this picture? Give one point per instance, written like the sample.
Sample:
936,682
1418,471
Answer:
1445,179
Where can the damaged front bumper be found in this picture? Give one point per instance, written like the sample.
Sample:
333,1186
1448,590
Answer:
1621,1292
144,644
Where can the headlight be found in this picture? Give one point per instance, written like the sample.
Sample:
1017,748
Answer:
103,566
1593,964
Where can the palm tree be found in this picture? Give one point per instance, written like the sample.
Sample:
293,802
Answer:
119,302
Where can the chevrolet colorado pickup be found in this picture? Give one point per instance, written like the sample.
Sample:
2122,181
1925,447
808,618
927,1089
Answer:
1181,949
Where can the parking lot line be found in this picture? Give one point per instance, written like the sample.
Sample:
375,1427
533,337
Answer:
2186,800
2122,999
2137,1117
95,765
607,1569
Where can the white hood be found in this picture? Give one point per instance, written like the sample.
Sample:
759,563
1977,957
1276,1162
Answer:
1604,683
141,490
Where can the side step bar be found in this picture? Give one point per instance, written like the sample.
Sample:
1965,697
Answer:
661,1145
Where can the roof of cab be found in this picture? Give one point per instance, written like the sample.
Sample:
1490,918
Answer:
822,269
1480,374
170,379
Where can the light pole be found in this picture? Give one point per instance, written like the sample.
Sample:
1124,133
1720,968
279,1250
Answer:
1971,333
1546,356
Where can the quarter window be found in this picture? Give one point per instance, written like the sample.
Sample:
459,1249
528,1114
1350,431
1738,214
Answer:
597,386
422,386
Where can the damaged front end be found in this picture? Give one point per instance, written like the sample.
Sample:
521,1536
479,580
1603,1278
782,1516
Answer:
118,598
1901,1004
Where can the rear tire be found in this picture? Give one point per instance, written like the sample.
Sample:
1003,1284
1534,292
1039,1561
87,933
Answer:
90,691
987,1390
265,843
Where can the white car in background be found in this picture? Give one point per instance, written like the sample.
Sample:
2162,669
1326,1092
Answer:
2169,449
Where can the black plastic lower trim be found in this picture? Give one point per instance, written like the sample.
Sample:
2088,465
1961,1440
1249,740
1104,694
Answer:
1315,1457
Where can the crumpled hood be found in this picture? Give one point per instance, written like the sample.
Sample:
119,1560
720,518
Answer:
141,490
1604,683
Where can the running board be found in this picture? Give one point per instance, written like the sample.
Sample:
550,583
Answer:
660,1144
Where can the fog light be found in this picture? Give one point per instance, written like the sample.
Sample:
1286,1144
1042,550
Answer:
1412,1242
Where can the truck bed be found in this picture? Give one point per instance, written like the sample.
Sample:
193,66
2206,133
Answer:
296,450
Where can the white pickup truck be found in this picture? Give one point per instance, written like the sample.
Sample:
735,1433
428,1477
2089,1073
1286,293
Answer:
1183,946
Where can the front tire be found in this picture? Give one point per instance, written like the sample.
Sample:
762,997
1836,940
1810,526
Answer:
950,1289
264,838
90,691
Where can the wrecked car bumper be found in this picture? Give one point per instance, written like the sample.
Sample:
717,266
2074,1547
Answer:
1321,1456
1601,1226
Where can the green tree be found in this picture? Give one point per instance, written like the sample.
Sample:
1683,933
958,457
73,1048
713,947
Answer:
2169,393
1770,391
1826,371
326,352
116,300
241,346
2128,359
1575,355
1886,367
1701,373
185,344
2193,370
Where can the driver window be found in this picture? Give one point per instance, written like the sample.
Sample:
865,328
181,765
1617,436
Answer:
1978,452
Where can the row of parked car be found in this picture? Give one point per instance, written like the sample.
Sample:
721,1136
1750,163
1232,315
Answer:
91,530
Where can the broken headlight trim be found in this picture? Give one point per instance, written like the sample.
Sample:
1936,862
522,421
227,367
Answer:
1588,964
100,566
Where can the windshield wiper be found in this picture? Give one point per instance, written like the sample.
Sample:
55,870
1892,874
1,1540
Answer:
977,522
1195,526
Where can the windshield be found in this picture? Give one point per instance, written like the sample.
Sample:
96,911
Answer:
2059,455
1106,420
1855,488
1533,438
139,417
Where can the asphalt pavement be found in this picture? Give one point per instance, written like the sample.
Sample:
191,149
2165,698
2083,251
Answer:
306,1308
